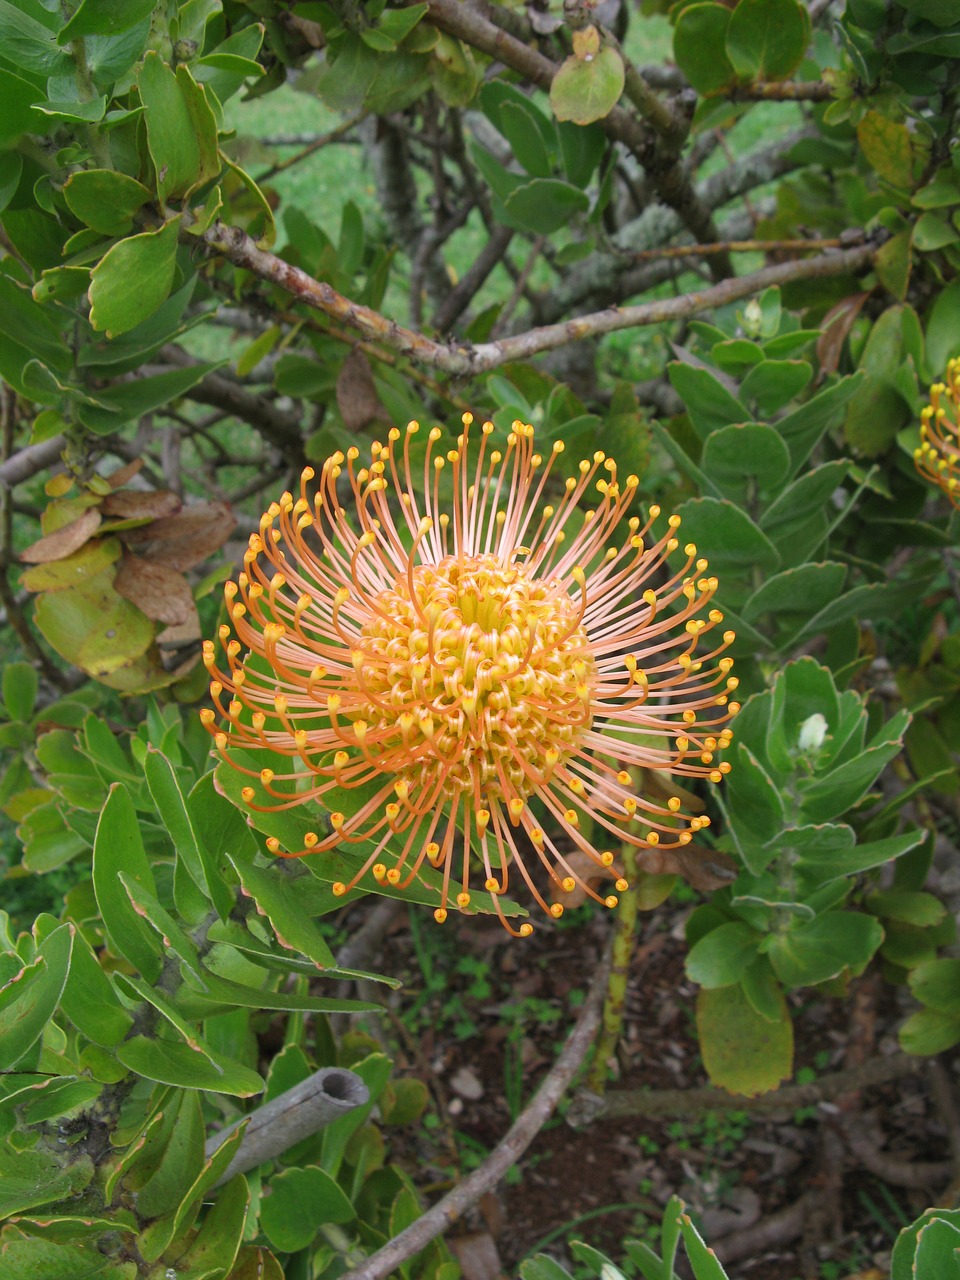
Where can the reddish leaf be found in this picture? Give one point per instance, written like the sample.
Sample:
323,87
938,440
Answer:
159,592
65,540
145,504
183,540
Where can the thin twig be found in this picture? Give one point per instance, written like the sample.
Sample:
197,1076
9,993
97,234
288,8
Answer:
461,358
505,1154
316,144
846,241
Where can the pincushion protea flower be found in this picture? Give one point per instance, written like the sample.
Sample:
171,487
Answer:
938,457
484,674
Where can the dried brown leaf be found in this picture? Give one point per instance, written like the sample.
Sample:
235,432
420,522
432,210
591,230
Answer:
65,540
478,1256
186,539
836,326
161,593
357,397
123,475
141,504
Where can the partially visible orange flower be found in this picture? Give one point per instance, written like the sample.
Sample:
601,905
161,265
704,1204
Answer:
938,457
495,668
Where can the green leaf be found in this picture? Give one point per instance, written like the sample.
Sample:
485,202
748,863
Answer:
181,128
218,1241
943,327
544,205
29,998
29,1179
17,97
300,1202
767,39
762,990
721,958
542,1267
119,847
47,842
278,898
20,684
27,322
161,1234
909,905
105,18
187,1065
705,1263
771,383
727,536
175,815
582,147
707,401
904,1257
937,983
833,793
803,428
90,1001
819,949
825,861
886,145
892,263
37,1259
29,45
699,44
520,126
744,460
180,1162
796,592
790,511
133,279
929,1031
126,401
585,90
743,1052
104,199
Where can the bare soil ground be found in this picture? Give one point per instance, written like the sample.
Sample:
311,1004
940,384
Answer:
780,1196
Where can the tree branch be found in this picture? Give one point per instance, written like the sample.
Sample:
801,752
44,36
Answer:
677,1102
505,1154
30,460
281,427
298,1113
466,359
602,276
666,173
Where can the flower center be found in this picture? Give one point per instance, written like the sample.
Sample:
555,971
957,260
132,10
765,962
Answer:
475,677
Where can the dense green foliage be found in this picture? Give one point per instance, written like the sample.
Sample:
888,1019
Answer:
504,212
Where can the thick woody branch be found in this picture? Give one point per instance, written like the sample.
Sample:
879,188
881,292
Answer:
29,461
784,91
666,173
675,1102
505,1154
281,427
296,1114
467,359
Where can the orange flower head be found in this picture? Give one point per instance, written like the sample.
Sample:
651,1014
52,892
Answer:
938,457
487,674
